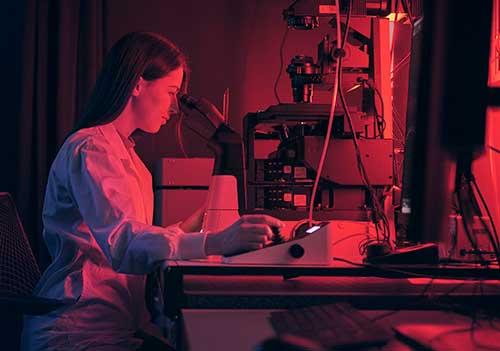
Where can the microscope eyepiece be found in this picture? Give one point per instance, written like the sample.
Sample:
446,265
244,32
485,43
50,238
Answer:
188,100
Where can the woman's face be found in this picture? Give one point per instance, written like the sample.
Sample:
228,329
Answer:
155,101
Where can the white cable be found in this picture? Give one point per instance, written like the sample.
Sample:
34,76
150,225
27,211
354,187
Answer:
330,119
178,130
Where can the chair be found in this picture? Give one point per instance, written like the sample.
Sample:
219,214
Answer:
19,274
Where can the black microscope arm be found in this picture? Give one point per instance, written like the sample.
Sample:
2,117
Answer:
205,120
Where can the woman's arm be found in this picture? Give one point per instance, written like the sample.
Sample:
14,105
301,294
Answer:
111,206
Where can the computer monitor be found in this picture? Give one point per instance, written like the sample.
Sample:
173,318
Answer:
447,109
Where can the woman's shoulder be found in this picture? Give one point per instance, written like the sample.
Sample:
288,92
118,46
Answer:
80,142
91,136
81,135
74,147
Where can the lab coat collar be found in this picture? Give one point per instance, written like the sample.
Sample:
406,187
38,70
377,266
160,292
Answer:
115,140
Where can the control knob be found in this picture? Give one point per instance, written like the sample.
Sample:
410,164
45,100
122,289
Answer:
296,251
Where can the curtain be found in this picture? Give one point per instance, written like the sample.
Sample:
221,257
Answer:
64,44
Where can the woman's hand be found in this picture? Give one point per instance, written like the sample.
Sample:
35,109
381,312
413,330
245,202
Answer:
193,223
250,232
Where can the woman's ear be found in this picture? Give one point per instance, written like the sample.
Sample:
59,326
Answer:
138,87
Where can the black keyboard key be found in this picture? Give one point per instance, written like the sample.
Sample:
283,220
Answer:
335,326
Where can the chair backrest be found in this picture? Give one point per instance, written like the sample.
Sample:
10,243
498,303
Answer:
19,271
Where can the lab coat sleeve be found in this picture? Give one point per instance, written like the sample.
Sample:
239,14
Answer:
111,206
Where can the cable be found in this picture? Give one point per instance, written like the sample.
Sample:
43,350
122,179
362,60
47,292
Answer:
396,68
380,123
494,149
292,5
407,9
469,182
363,244
391,51
415,303
471,329
408,274
496,241
485,205
399,134
377,207
465,217
400,64
347,238
399,128
330,118
178,130
281,63
347,23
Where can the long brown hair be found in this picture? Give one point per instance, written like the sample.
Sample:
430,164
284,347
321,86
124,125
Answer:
137,54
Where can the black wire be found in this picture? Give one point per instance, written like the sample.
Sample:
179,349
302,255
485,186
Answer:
474,324
465,219
396,8
485,205
281,65
470,179
292,5
407,9
408,274
376,205
178,133
494,149
426,288
346,238
416,303
377,208
458,330
474,305
451,251
469,227
496,241
347,23
380,124
473,313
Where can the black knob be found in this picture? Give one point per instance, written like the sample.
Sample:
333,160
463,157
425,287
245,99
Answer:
296,251
277,238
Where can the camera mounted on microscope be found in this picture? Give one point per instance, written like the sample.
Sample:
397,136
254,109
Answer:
303,74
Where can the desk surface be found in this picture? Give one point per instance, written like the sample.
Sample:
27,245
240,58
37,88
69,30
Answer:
204,284
362,292
225,306
337,268
245,285
243,329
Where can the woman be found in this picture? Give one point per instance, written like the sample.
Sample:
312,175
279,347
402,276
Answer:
98,208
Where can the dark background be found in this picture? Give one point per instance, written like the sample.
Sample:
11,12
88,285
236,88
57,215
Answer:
52,51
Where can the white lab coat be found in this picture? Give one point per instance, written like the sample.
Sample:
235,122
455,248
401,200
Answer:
98,228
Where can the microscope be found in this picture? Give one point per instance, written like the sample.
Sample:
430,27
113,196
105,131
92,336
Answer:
270,170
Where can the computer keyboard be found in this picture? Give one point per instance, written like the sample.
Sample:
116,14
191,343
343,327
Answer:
334,326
